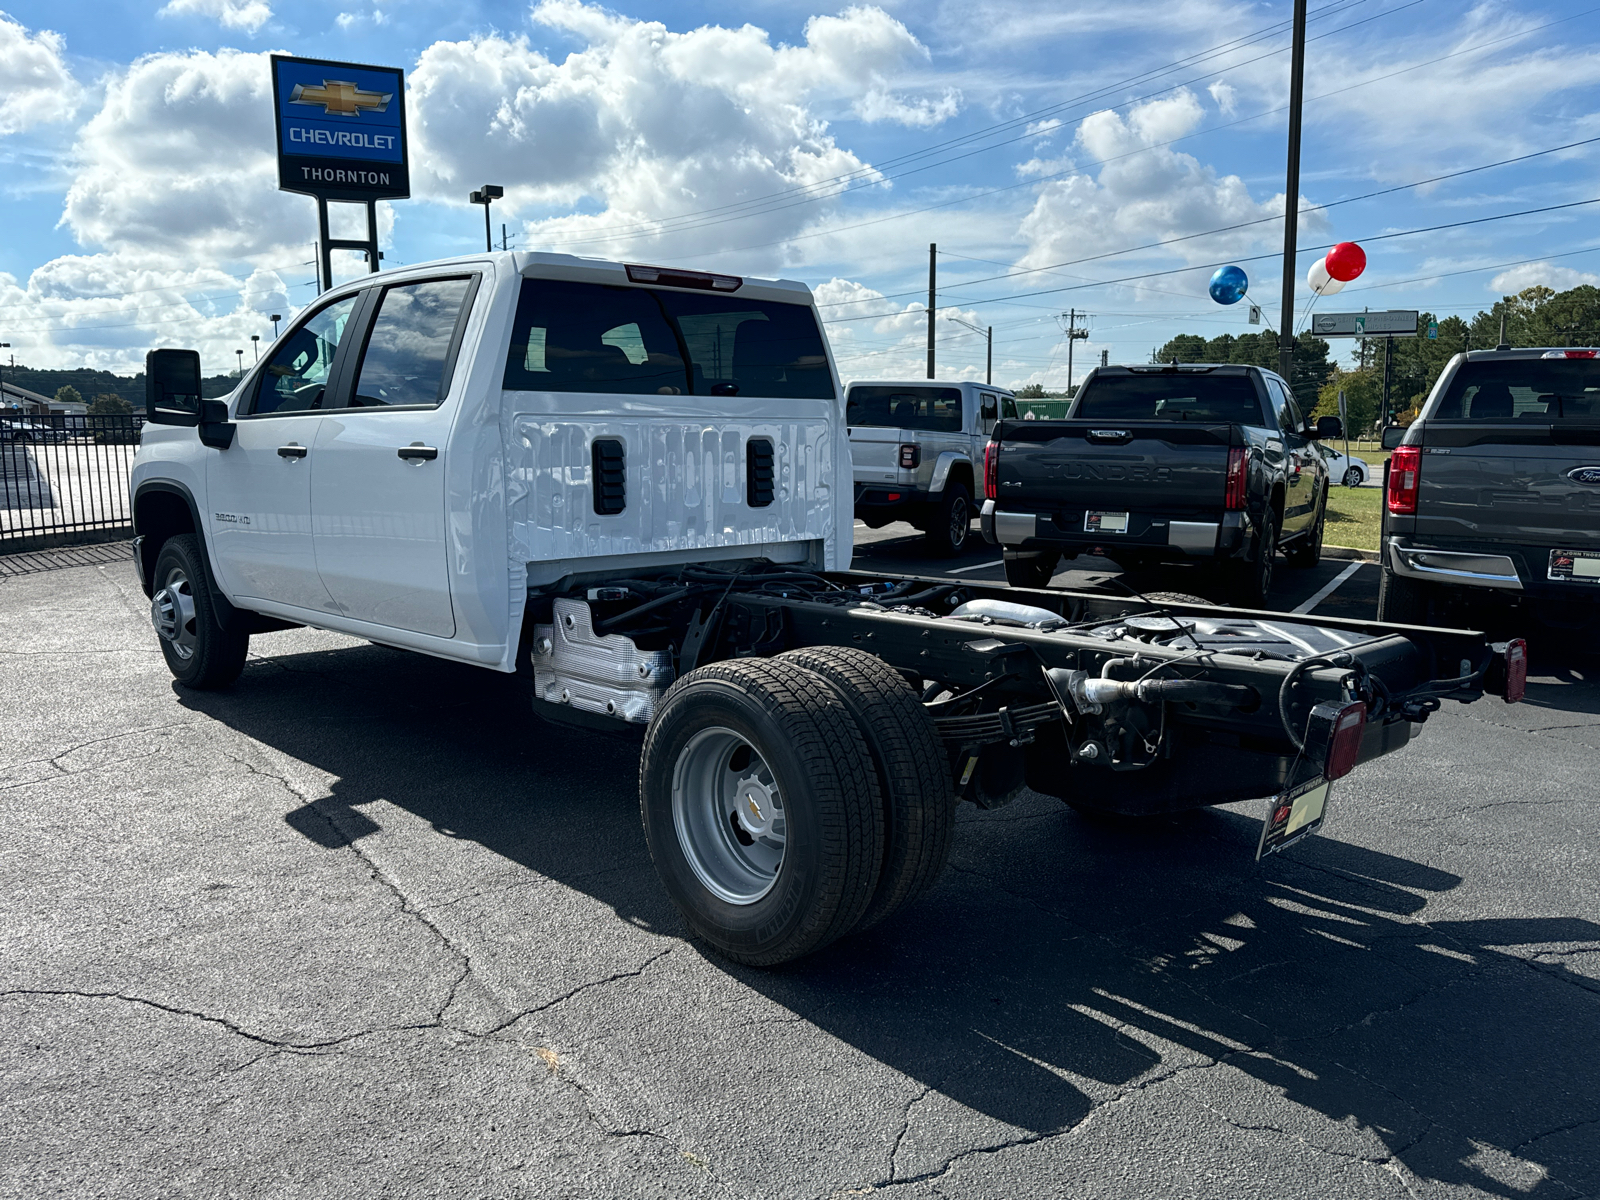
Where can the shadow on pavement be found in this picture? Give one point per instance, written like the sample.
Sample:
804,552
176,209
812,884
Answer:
1058,960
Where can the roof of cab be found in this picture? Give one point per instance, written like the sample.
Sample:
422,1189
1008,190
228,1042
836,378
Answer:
988,387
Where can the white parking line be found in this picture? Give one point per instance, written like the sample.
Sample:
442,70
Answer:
973,567
1330,588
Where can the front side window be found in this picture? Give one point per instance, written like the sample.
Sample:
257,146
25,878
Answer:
590,337
408,351
1544,390
296,376
930,409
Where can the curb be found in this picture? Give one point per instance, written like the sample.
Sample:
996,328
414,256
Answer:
1370,556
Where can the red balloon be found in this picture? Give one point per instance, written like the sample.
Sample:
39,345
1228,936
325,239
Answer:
1345,261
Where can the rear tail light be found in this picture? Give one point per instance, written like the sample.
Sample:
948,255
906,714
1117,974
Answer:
1405,475
1516,670
1233,495
910,456
1340,728
991,471
1571,354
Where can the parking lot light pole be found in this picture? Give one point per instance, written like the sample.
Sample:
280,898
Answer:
988,373
240,374
276,317
485,196
255,344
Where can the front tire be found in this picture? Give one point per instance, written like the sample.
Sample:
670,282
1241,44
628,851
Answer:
1307,552
919,806
1352,477
950,522
1034,569
761,809
199,653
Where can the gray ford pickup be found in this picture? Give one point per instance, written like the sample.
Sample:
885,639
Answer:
1493,494
1213,463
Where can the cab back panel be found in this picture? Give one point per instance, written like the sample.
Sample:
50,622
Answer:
686,484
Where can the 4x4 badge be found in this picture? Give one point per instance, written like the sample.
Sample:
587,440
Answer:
1589,475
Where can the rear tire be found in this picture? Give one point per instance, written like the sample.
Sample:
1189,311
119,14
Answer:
1352,477
950,521
1404,601
761,809
1034,569
198,653
1252,580
1307,552
919,806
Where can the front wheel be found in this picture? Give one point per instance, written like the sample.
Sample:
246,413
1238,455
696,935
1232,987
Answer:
1352,477
1032,570
1307,552
199,653
761,809
950,522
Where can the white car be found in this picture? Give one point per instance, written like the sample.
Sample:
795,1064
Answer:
1351,471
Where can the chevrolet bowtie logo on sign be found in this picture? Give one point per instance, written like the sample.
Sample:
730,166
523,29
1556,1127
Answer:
341,129
341,98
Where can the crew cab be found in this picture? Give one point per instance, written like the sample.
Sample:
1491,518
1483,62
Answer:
1493,493
914,445
624,488
1162,463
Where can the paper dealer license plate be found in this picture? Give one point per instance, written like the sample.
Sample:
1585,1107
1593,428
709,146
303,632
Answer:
1105,522
1293,815
1575,566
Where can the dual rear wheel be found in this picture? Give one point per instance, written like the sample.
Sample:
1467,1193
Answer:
789,801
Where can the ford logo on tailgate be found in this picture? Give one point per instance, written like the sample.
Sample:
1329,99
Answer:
1589,475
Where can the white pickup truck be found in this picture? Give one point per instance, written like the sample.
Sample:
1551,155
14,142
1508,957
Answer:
630,487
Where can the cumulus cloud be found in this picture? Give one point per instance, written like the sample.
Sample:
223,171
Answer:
644,122
248,15
1146,192
1541,274
35,85
876,338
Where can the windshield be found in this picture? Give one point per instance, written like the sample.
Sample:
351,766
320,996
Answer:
1523,389
932,409
1175,397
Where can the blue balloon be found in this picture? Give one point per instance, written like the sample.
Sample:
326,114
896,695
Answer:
1229,285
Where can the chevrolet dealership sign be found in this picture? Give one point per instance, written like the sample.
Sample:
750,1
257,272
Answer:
341,129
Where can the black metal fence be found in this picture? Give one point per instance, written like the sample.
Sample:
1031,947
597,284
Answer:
64,479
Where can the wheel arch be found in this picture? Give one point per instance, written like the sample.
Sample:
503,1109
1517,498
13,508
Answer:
170,510
951,466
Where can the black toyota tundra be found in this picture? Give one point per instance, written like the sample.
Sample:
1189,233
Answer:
1162,463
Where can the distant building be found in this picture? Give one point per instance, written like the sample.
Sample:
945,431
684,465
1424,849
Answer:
16,399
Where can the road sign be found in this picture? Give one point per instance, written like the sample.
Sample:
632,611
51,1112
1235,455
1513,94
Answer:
1255,314
1433,330
1390,324
1342,414
341,129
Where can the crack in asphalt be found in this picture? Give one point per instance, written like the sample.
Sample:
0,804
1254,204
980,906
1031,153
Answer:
582,987
905,1127
54,760
282,1045
1539,1137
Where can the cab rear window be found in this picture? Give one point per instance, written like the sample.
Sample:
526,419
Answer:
931,409
1526,389
589,337
1179,397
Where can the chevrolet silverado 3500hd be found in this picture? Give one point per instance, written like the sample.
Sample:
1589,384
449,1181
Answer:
630,486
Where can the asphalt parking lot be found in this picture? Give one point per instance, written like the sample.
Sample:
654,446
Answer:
359,927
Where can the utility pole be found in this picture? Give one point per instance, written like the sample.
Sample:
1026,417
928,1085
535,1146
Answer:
1105,358
1074,334
1504,345
1291,195
933,272
1388,366
988,365
503,235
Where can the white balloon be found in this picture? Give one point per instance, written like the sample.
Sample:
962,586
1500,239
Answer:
1321,282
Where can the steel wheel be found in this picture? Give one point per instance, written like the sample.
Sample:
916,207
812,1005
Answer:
729,816
172,612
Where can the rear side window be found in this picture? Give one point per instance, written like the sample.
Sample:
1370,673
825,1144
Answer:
931,409
1176,397
588,337
408,350
1528,389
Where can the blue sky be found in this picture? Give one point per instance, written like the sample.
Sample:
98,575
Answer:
1044,148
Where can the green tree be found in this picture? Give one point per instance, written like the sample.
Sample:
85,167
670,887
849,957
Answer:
1362,393
1031,391
67,394
109,404
1311,365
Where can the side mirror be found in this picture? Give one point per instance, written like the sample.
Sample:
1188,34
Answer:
1393,435
216,430
172,387
1330,427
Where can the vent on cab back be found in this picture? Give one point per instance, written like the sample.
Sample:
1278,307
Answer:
758,472
610,477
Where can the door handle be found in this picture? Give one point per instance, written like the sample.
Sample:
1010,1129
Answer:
417,452
291,451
